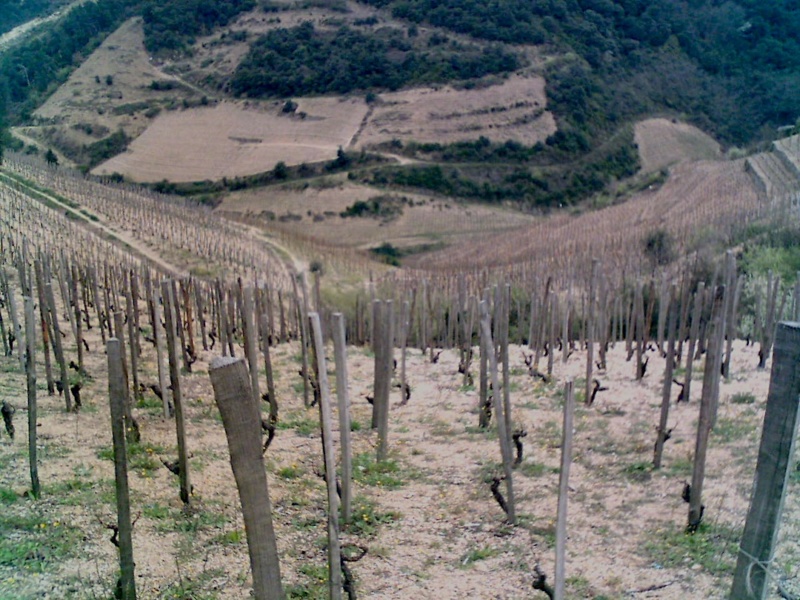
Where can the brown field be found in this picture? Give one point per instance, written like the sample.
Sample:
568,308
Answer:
663,142
512,110
235,138
428,221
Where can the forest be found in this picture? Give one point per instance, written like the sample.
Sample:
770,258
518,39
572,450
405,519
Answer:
731,67
17,12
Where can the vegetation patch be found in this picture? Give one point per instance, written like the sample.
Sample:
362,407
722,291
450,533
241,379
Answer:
713,547
304,60
31,542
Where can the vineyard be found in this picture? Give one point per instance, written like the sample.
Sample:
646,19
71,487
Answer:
442,417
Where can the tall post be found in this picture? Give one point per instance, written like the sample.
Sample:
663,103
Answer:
343,398
694,332
775,456
15,324
158,335
563,489
240,418
505,440
590,329
386,341
177,398
334,550
250,347
30,371
670,301
118,398
58,347
708,406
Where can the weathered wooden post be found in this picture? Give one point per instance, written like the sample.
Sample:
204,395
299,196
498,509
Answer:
334,550
694,332
590,332
118,397
383,380
563,489
505,439
158,335
58,347
13,311
271,397
708,406
241,420
343,398
250,343
48,369
76,306
30,372
775,456
177,398
670,303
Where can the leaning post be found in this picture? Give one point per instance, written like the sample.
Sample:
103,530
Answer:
773,468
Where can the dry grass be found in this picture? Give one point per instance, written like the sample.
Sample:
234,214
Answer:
663,143
235,138
317,208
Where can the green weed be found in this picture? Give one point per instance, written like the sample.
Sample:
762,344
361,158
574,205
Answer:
713,547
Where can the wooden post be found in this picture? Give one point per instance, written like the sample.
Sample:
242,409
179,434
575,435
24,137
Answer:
178,320
58,347
271,397
375,337
505,440
590,333
386,341
250,347
343,398
301,317
241,420
158,335
48,369
177,398
119,333
334,551
76,305
694,332
563,489
15,323
30,371
775,460
670,303
404,326
133,334
708,406
118,397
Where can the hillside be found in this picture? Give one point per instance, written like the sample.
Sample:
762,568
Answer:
592,69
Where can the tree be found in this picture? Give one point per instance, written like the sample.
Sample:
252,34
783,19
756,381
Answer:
659,247
51,158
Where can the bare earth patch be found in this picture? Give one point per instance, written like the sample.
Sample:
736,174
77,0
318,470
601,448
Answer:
236,138
663,142
513,110
315,212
